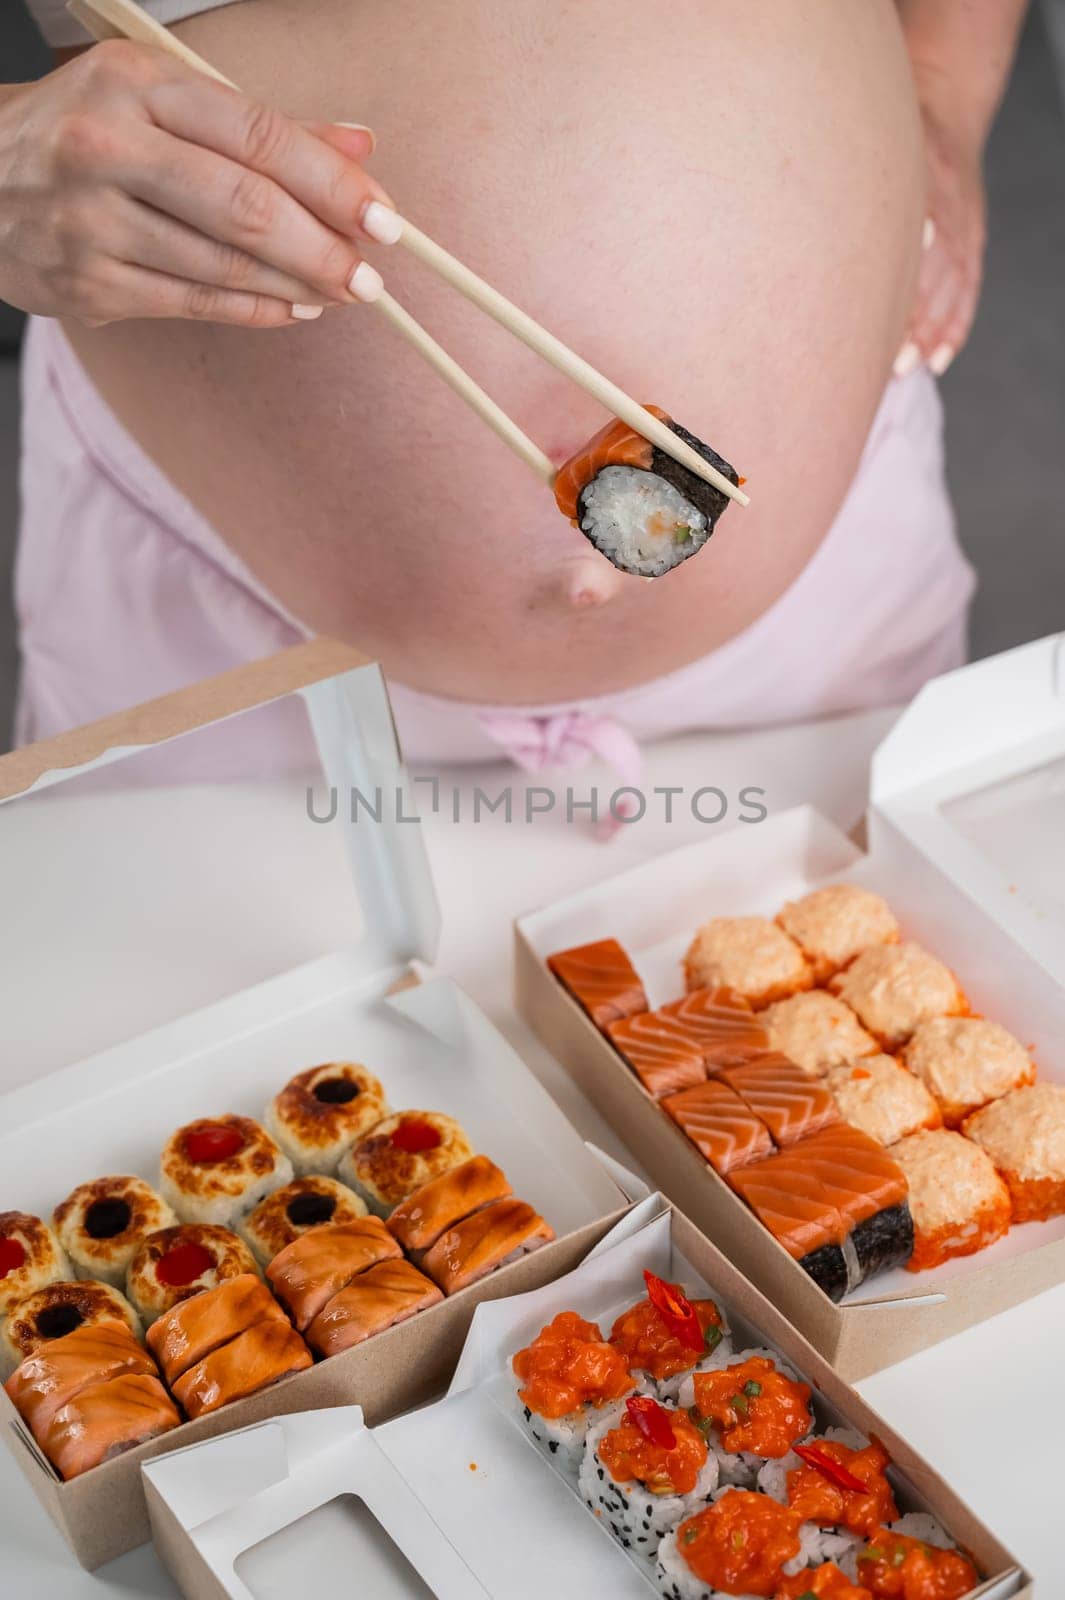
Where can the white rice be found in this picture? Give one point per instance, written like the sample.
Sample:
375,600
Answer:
224,1211
563,1438
617,508
635,1516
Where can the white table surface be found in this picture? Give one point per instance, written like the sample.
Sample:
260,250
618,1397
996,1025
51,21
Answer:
957,1402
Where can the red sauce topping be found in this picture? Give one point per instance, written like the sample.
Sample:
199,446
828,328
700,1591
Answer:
753,1407
569,1364
740,1543
216,1141
825,1582
636,1450
840,1487
183,1265
414,1137
12,1256
895,1567
649,1340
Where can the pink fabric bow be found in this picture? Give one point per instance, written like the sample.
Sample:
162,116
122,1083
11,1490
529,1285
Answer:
570,739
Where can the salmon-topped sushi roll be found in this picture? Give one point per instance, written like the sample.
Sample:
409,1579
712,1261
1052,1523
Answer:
723,1129
385,1295
491,1238
401,1154
257,1358
570,1377
780,1094
420,1220
739,1545
893,988
753,1407
61,1368
193,1328
216,1168
668,1335
308,1202
104,1419
320,1113
658,1051
1024,1134
31,1256
749,955
966,1062
102,1223
720,1024
958,1201
644,1470
835,924
881,1098
176,1263
602,979
56,1310
641,509
816,1031
310,1271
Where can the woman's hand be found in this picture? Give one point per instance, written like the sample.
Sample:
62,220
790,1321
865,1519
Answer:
133,186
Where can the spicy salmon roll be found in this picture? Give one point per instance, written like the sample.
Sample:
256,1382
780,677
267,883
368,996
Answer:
602,979
742,1544
958,1202
644,1471
893,988
1024,1135
816,1031
825,1582
666,1336
749,955
881,1098
56,1310
752,1406
894,1562
175,1263
570,1377
215,1169
307,1202
641,509
101,1223
320,1113
835,924
723,1129
837,1480
792,1105
31,1256
966,1062
401,1154
492,1237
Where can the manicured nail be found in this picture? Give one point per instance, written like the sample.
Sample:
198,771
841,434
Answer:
907,359
382,223
307,313
366,283
928,234
941,358
360,127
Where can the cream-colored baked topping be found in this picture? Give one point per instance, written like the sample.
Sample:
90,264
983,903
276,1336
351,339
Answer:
749,954
816,1031
896,987
882,1098
835,924
1024,1132
950,1178
966,1061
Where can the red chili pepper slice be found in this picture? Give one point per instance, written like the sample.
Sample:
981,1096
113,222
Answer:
676,1310
832,1469
652,1420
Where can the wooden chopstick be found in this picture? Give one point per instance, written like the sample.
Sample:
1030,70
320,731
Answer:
124,19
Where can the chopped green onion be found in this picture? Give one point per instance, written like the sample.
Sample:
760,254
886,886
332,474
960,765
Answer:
690,1535
751,1388
713,1336
739,1539
739,1404
807,1594
873,1553
681,532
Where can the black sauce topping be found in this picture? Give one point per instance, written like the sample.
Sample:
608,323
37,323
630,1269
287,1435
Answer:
55,1321
309,1209
107,1218
335,1091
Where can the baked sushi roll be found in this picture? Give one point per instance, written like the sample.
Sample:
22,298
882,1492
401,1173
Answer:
749,955
194,1328
833,925
641,509
666,1336
58,1370
105,1419
644,1471
56,1310
662,1056
602,979
181,1261
742,1544
893,988
321,1112
816,1031
379,1298
1024,1134
31,1256
100,1224
311,1270
752,1407
403,1153
792,1105
287,1214
570,1377
420,1220
966,1062
217,1168
720,1125
881,1098
720,1025
491,1238
256,1359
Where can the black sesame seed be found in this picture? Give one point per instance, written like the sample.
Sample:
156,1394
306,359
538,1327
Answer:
552,1445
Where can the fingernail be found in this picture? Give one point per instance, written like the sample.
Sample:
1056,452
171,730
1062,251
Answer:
307,313
382,223
907,359
928,234
366,283
360,127
941,358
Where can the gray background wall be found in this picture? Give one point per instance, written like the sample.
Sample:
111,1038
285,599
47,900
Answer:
1005,396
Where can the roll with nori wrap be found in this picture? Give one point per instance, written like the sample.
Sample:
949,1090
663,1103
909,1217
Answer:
641,509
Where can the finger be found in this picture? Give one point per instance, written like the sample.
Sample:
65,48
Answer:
139,292
936,292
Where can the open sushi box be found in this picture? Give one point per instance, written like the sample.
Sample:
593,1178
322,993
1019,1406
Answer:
452,1498
964,835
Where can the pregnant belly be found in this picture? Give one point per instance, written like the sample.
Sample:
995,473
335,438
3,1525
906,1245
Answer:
719,204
